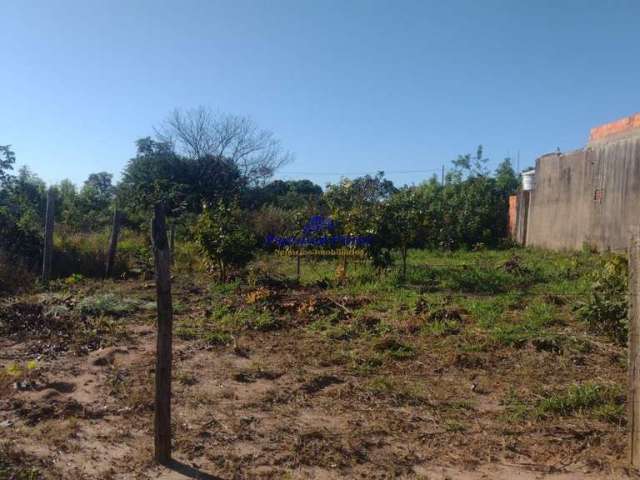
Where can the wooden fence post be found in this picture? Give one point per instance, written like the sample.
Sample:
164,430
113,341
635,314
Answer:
113,243
298,265
633,399
162,256
48,237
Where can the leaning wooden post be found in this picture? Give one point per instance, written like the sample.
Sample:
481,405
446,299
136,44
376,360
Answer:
298,265
162,256
113,243
48,237
633,399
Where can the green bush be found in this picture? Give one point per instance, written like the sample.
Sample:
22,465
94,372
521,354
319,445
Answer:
14,274
605,310
223,236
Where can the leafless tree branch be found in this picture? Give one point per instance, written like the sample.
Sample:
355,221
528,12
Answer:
199,132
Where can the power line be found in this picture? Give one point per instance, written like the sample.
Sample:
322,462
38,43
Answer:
393,172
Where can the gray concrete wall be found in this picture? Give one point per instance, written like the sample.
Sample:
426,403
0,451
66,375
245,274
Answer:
588,196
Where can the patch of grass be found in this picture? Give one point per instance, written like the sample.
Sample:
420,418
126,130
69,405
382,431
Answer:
535,318
365,363
589,399
107,304
394,348
476,279
224,288
443,327
14,465
454,426
216,337
399,392
486,311
582,398
332,327
262,321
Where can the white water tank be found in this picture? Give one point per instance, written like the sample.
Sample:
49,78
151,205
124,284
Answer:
528,180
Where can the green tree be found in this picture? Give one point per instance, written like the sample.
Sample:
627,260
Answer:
22,203
506,179
222,233
286,194
7,159
67,203
356,204
402,222
157,173
95,200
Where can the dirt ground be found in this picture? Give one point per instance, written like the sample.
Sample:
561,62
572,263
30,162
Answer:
288,401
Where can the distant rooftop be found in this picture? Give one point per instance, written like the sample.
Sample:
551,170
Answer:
622,128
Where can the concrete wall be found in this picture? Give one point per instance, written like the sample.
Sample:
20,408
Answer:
588,196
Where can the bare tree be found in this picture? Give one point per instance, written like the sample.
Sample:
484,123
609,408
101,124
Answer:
199,132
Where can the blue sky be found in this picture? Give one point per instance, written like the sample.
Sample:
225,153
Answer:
349,86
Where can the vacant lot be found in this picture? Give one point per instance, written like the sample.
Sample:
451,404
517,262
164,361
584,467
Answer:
474,366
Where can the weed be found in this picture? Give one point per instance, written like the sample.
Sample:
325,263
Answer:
15,465
454,426
366,364
186,378
400,393
107,304
218,338
261,321
581,399
475,279
395,348
535,319
606,308
604,402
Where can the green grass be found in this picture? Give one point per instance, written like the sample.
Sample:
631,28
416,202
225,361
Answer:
107,304
514,297
604,402
592,399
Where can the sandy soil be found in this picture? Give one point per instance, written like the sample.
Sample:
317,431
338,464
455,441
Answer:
288,403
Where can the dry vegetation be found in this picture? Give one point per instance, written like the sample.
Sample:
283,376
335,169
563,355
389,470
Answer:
475,366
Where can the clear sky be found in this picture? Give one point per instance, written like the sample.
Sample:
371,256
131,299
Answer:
349,86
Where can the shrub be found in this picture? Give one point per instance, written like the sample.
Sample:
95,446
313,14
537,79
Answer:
14,275
82,253
605,310
223,236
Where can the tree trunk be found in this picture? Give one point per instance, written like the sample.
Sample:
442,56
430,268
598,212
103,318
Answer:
162,421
